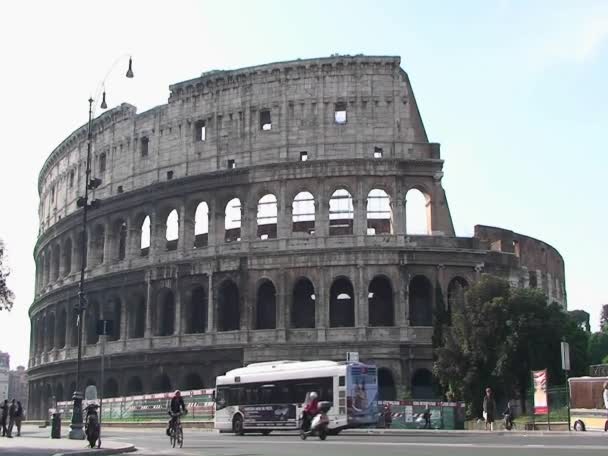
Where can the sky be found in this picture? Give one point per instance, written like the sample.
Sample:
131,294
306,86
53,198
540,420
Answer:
515,92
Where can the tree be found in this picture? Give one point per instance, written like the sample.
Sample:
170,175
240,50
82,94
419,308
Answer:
581,318
604,318
6,295
499,336
598,347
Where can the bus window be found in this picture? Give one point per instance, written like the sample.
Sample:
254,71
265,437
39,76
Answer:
341,380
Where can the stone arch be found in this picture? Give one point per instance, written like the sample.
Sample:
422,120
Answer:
341,213
97,244
172,230
134,386
229,307
62,319
196,311
201,225
161,384
381,309
303,304
165,313
50,331
192,381
457,289
267,217
420,301
418,212
232,221
67,256
145,235
386,385
113,311
137,316
92,315
303,213
341,303
379,212
266,306
110,389
422,384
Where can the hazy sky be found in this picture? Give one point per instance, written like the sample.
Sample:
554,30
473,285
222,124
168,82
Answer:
516,93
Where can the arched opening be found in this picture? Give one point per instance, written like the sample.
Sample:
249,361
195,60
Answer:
193,381
266,307
59,392
172,231
144,244
67,256
380,302
47,398
50,322
232,221
303,308
303,213
229,308
379,213
112,311
110,389
92,315
56,261
137,317
201,225
165,313
80,258
121,231
456,296
341,213
97,244
162,384
62,318
417,212
341,304
41,334
386,385
422,384
196,316
134,386
420,300
267,217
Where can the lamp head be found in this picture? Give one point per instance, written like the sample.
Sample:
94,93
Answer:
130,70
104,105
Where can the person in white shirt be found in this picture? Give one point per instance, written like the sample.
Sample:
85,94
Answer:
606,396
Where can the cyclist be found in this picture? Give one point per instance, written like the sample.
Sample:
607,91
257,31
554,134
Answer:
177,405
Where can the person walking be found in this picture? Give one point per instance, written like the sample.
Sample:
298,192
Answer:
12,410
606,404
19,418
489,409
3,417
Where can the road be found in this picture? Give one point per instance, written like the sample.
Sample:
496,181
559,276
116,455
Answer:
198,442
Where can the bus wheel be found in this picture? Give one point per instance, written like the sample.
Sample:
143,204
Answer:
579,426
265,432
237,425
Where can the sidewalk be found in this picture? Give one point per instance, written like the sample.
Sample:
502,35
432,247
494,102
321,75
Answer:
37,442
460,433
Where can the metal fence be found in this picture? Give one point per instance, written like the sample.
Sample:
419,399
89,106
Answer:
557,400
411,414
149,407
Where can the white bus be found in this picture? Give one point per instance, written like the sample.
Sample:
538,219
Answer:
270,396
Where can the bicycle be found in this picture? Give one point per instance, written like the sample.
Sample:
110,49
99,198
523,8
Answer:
176,432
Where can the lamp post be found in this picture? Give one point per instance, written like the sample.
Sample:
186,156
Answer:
76,431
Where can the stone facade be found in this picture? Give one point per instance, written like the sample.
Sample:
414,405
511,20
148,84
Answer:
260,214
17,385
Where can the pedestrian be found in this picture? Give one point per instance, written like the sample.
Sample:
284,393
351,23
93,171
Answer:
489,409
427,418
388,416
19,418
3,417
12,410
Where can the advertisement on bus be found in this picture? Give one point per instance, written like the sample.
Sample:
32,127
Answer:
362,394
271,415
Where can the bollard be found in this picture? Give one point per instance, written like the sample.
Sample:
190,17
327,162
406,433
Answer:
56,426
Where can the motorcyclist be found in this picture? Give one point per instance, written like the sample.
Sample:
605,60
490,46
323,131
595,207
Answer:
175,407
311,408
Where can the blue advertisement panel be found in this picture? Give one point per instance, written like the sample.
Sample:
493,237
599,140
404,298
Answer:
272,415
362,394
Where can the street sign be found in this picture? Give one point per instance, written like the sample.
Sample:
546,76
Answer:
105,327
565,356
352,357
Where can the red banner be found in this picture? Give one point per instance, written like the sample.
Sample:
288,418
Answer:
540,380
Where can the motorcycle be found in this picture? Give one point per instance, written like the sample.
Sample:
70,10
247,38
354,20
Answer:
91,428
508,421
319,423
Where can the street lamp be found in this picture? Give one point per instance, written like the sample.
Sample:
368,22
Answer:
76,431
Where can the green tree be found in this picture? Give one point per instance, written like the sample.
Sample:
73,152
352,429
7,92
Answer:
604,318
581,318
6,295
598,347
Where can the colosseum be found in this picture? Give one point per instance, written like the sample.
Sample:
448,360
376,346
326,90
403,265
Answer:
260,214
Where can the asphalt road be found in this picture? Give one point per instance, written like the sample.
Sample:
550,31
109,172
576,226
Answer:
197,442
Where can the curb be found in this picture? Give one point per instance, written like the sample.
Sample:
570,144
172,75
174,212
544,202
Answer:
413,433
99,452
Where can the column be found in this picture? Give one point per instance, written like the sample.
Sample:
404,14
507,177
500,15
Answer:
398,209
156,237
186,229
212,225
177,330
361,303
148,330
108,245
124,318
211,326
322,213
402,300
283,214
